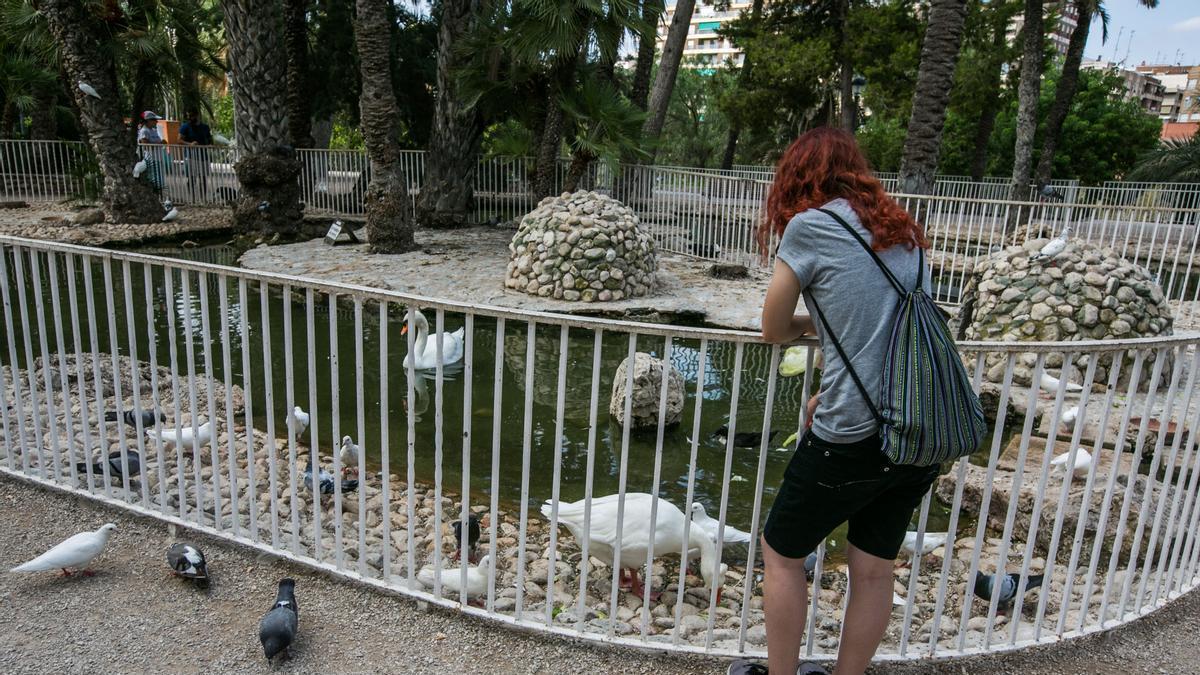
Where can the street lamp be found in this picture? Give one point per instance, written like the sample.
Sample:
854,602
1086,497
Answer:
857,85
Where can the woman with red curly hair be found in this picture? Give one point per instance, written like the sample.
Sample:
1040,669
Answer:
824,199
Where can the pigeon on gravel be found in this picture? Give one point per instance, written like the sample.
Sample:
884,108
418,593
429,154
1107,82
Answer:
349,456
185,435
297,422
188,562
277,628
985,585
473,534
77,551
325,480
130,418
115,470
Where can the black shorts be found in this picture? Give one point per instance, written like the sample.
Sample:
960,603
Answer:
827,484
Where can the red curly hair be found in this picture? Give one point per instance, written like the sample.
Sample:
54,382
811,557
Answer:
822,165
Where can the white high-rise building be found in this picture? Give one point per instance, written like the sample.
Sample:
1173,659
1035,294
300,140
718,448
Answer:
704,48
1068,19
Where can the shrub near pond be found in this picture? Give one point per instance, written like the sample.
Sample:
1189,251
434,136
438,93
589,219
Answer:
581,247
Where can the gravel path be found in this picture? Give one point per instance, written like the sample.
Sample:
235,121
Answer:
131,618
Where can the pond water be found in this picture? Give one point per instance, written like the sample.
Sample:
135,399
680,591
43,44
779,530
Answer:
348,380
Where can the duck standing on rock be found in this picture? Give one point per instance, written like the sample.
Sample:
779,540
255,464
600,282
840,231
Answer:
637,533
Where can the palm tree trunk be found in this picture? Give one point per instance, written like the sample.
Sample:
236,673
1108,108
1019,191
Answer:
647,43
187,52
846,74
668,69
82,54
939,56
8,119
1028,93
580,160
269,198
446,192
43,125
1068,84
991,102
546,173
295,32
735,127
389,220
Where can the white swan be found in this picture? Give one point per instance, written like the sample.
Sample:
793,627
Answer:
426,349
930,542
637,531
477,578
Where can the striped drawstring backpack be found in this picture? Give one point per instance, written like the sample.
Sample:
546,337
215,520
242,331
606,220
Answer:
928,413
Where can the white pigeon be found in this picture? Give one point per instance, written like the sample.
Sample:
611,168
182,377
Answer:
139,168
349,454
221,140
185,435
1083,461
1053,247
898,601
171,215
77,551
709,524
1070,415
477,578
89,90
297,422
930,542
1050,383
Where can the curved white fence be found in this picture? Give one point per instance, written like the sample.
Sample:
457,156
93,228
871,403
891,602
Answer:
524,420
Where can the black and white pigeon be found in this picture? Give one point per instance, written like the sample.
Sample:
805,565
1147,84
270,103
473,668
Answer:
131,417
115,470
326,481
187,561
277,628
985,585
742,439
473,533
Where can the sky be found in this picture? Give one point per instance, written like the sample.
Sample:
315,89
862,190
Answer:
1168,34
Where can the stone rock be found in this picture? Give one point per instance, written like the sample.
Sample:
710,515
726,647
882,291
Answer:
88,217
647,390
582,247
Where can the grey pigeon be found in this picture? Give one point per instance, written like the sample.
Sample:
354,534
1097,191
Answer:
131,418
278,626
325,481
188,562
810,565
985,586
133,460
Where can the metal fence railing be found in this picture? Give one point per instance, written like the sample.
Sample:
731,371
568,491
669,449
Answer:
511,421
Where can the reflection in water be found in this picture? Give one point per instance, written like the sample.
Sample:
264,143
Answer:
337,330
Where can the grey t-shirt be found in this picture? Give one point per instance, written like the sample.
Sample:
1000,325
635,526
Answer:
860,305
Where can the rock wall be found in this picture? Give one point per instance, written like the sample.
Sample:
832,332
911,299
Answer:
647,391
581,247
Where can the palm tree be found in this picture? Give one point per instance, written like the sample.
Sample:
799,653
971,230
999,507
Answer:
996,55
735,126
446,191
295,37
269,198
1174,162
668,69
639,91
83,45
939,57
1028,93
1068,80
606,127
389,223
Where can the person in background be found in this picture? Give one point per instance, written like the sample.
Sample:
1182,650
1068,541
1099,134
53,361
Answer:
198,136
147,138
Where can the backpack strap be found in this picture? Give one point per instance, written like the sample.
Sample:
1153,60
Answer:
882,267
846,360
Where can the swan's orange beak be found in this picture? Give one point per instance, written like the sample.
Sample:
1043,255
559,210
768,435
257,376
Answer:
404,330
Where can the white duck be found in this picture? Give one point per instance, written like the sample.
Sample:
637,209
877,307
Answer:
203,436
76,551
426,349
1083,461
930,542
1050,383
451,578
1053,247
297,422
637,531
732,535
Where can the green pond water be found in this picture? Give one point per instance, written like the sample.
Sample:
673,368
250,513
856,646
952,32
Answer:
346,380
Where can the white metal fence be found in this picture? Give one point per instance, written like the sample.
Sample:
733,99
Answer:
519,421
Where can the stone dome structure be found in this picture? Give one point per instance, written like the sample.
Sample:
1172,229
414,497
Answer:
581,247
1085,293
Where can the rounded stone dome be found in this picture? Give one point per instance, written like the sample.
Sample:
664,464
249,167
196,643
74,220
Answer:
581,247
1085,293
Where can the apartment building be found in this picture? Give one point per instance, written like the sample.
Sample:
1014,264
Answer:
1144,88
1181,91
1068,19
704,48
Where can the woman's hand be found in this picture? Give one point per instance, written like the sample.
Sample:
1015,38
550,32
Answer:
810,410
